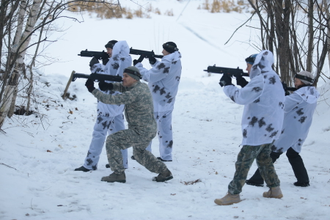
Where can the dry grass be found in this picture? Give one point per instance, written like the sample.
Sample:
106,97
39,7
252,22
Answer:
218,6
111,10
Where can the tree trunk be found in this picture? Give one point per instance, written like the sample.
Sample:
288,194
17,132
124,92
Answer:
16,57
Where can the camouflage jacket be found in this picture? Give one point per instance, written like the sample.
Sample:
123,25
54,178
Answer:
138,106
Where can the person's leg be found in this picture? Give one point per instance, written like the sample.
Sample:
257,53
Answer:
165,135
119,125
267,171
298,168
101,127
244,161
256,179
266,167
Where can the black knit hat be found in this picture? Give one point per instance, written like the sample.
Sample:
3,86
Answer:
170,47
251,59
110,44
133,72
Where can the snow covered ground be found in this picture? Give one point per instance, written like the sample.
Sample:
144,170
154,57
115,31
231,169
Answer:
38,153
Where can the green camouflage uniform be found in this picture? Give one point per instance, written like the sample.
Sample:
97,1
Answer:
244,161
141,127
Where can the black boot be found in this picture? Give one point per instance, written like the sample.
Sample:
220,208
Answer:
82,168
255,180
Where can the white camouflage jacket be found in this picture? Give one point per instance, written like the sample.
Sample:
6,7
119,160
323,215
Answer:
163,81
299,110
263,100
119,60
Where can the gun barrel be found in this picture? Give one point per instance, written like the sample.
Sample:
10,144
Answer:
96,77
97,54
147,54
230,71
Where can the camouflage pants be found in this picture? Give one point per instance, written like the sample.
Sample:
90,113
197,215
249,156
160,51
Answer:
129,138
244,161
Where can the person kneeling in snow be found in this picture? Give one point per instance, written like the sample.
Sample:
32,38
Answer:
299,109
263,100
141,126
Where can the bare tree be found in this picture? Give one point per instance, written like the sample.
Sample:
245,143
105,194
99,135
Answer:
296,32
19,20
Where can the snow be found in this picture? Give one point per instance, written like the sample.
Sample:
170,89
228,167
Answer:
38,153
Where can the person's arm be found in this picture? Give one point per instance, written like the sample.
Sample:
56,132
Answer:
291,101
123,98
251,92
158,72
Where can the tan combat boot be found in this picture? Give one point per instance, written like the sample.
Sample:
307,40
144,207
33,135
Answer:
229,199
114,177
274,192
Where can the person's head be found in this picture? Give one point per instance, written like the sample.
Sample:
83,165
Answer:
249,62
130,76
303,78
169,47
109,47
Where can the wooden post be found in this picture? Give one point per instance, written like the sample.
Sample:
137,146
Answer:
67,85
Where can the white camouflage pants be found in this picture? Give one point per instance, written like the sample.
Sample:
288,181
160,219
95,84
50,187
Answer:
165,135
103,127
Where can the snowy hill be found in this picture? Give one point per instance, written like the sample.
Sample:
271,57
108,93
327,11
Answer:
38,153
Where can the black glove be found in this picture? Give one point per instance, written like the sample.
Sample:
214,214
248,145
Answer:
152,60
90,85
135,62
138,60
241,81
93,61
105,60
225,80
105,86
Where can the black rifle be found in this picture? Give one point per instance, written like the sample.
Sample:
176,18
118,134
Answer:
99,55
145,53
230,71
96,77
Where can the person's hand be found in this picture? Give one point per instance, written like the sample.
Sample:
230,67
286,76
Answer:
105,60
135,62
225,80
138,60
105,86
241,81
93,61
90,85
152,60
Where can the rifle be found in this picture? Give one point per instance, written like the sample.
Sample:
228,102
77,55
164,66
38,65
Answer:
230,71
147,54
96,77
99,55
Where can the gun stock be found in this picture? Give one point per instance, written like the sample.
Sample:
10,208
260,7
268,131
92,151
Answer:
98,54
147,54
96,77
222,70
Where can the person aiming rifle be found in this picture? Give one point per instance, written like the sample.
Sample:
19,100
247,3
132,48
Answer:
263,100
299,109
110,118
163,81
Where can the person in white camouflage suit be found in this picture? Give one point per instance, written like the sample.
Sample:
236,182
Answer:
299,110
110,118
163,81
263,100
137,99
